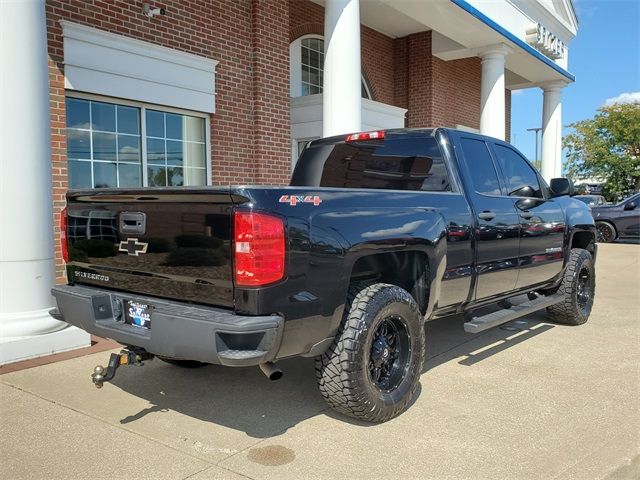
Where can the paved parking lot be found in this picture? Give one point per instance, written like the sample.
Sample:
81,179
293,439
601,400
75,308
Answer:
534,401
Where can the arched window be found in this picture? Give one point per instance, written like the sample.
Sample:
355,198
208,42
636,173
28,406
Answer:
307,67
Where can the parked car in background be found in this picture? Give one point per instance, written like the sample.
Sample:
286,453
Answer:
592,200
618,221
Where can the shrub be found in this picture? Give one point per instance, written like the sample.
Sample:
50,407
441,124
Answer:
195,257
96,248
197,241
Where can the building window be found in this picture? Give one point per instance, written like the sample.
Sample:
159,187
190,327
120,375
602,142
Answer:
176,150
312,63
307,67
133,145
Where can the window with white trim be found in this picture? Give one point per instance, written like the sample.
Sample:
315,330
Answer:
307,67
133,145
312,64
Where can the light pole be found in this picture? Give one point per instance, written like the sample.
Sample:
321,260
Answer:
535,130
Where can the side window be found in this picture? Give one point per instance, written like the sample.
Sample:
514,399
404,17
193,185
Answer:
394,164
483,172
518,173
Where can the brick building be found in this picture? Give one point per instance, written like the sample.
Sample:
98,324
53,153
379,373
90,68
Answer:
121,93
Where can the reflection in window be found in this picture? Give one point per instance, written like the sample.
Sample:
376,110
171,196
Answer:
483,172
518,172
92,225
104,146
176,153
400,164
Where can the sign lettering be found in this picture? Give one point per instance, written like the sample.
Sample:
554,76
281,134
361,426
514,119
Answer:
539,37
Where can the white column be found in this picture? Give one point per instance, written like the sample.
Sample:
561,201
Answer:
552,130
27,270
492,104
342,77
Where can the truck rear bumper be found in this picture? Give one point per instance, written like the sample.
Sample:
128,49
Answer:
178,330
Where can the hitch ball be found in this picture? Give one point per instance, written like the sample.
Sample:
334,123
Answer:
97,376
125,357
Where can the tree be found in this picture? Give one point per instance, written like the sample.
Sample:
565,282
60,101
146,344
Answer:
607,147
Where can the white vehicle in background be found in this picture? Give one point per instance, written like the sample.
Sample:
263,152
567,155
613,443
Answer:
592,200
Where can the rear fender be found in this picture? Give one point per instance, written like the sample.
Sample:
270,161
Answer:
362,232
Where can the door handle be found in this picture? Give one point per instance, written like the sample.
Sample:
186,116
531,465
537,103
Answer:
526,215
486,215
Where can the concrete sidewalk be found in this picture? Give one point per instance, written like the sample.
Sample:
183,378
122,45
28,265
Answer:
539,402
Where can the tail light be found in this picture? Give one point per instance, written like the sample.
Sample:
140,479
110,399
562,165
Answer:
63,235
358,137
258,249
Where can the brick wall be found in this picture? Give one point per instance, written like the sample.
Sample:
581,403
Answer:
221,30
419,81
271,107
456,87
400,72
437,93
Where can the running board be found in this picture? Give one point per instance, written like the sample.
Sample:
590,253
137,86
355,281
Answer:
479,324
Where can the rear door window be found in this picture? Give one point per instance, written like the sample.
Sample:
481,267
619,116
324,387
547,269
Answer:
481,167
394,164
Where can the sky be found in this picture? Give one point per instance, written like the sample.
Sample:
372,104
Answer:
604,57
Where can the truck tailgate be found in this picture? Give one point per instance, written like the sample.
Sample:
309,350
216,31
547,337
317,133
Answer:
171,243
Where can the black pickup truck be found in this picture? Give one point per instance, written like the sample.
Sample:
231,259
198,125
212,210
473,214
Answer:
378,233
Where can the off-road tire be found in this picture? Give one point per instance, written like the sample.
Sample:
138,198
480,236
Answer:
182,363
606,232
576,305
343,371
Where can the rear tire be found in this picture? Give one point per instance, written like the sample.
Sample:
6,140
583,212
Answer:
578,289
372,369
606,232
183,363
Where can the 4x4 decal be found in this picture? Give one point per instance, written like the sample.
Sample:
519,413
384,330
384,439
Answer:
293,200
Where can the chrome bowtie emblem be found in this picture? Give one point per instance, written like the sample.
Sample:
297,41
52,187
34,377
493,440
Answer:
131,246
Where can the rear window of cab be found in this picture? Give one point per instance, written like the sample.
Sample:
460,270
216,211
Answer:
393,164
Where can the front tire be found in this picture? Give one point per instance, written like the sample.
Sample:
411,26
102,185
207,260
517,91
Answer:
372,369
577,288
606,232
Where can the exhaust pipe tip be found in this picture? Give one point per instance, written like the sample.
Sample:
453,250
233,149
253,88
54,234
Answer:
271,371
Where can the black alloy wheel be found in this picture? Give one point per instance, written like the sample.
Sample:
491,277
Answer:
584,290
372,369
577,290
390,353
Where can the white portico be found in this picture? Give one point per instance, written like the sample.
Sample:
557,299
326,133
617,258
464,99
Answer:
521,44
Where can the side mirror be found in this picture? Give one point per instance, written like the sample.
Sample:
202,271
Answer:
630,206
526,191
562,186
529,203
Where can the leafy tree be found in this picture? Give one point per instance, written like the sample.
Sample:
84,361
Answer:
607,147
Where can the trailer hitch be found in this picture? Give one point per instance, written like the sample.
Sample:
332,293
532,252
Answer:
130,356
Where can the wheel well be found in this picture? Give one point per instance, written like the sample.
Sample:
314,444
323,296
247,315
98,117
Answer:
584,240
408,270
